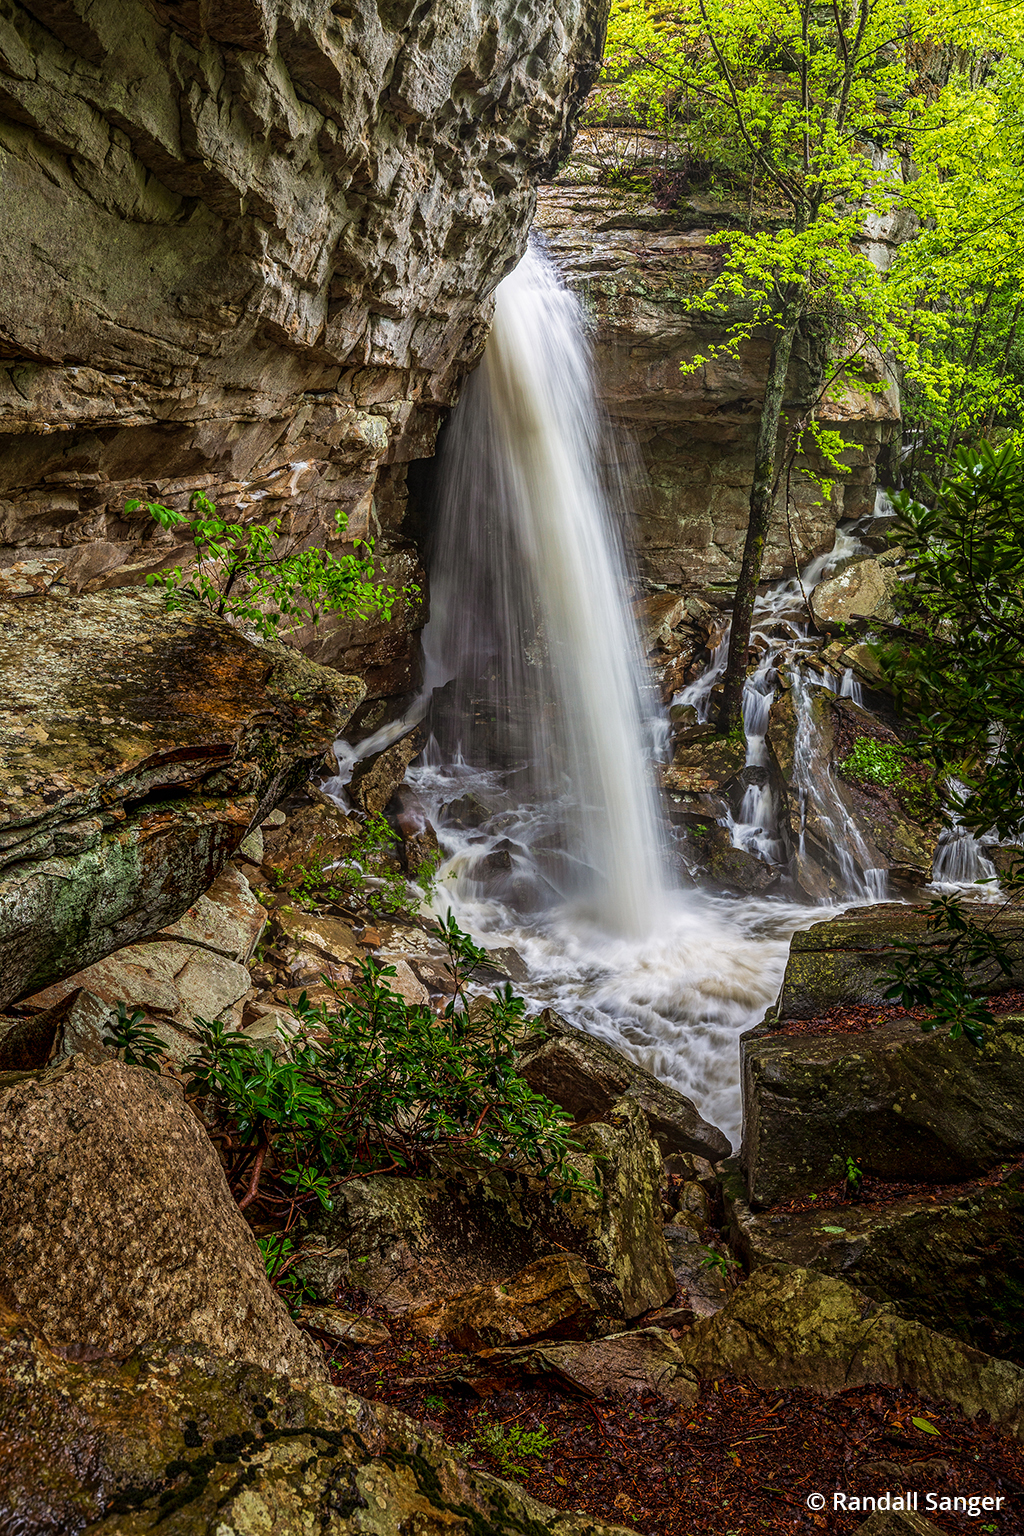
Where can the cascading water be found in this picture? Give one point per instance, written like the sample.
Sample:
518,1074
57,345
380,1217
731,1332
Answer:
529,593
538,779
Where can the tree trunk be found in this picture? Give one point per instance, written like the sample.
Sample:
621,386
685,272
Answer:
762,504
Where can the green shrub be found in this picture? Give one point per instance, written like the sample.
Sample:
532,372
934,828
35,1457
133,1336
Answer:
366,877
239,571
373,1084
510,1445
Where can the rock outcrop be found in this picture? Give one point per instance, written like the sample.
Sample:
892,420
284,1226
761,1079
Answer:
218,1445
904,1105
952,1259
141,747
587,1077
412,1242
841,960
789,1327
249,250
118,1227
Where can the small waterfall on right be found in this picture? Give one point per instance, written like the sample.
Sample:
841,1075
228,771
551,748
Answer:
781,633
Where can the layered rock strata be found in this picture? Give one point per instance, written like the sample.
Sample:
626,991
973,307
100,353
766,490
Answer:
248,250
137,751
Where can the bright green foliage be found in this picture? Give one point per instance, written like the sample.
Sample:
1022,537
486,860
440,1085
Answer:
956,661
240,571
876,762
373,1084
140,1046
279,1254
810,112
510,1445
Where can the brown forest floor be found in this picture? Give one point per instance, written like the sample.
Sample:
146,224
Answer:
742,1461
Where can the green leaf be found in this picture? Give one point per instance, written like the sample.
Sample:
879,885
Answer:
923,1424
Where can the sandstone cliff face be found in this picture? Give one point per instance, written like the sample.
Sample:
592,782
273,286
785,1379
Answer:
634,266
248,247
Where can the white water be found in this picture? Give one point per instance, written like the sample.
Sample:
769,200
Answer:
529,615
528,576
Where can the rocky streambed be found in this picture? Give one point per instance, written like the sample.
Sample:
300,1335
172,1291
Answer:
692,1342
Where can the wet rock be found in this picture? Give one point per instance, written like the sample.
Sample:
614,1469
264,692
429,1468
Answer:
375,779
793,1328
841,960
954,1262
405,983
646,1360
118,1226
734,869
195,1443
419,840
587,1077
317,834
549,1298
909,1107
707,763
863,591
145,745
174,984
700,1283
348,1328
466,813
412,1242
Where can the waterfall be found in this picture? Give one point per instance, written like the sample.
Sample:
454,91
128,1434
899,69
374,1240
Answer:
529,610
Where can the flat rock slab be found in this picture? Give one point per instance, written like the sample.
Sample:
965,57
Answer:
137,749
909,1107
788,1327
642,1361
954,1262
840,961
117,1226
186,1443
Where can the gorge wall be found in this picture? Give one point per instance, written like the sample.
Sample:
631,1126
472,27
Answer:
634,265
248,248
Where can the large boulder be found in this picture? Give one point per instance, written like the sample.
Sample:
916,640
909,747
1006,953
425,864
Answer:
412,1242
864,591
586,1076
953,1260
144,745
191,1444
841,960
194,969
787,1327
117,1226
905,1105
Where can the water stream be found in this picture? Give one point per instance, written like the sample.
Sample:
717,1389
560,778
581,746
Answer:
538,772
539,779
